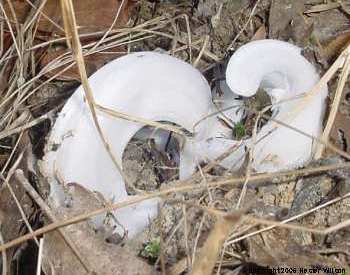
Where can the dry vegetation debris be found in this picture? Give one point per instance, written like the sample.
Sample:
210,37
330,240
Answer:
299,218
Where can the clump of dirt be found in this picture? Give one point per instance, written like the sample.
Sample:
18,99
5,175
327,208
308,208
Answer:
146,167
252,106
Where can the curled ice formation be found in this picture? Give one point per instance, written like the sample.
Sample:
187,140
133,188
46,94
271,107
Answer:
280,69
150,85
159,87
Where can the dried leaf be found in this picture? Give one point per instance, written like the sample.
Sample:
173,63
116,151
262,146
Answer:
260,34
11,220
336,45
322,7
92,15
101,255
209,253
272,250
178,268
93,63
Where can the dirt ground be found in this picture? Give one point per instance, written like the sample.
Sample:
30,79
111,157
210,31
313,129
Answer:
290,223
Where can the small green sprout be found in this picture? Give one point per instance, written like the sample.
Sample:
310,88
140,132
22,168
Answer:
152,249
239,130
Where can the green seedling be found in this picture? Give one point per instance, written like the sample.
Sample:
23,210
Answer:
239,130
151,250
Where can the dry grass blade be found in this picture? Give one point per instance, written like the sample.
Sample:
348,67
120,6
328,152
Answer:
337,227
26,126
39,10
111,27
184,213
250,156
209,253
12,192
252,13
73,41
323,7
165,192
120,37
339,63
11,30
40,256
204,261
336,102
36,197
205,44
16,200
156,124
235,239
282,224
3,254
327,144
344,8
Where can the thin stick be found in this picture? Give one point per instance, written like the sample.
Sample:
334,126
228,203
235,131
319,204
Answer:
337,226
292,219
187,248
197,237
11,31
320,141
3,254
111,27
40,256
38,10
120,33
261,221
170,190
36,197
205,43
230,47
281,123
12,154
18,204
1,38
282,224
23,215
250,156
313,92
7,133
189,35
335,106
